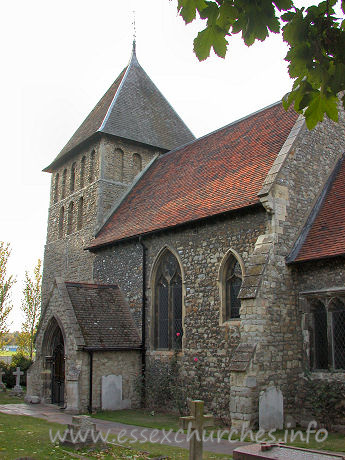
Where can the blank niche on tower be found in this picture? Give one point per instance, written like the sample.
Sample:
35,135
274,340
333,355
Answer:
80,213
137,164
56,188
70,218
61,221
72,178
92,166
82,172
118,168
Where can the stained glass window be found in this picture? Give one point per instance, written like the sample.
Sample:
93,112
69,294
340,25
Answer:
168,299
328,335
233,283
320,337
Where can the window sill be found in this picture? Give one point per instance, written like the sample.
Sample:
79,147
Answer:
231,323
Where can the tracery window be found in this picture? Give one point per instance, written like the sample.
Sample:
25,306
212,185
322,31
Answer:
230,284
328,335
80,213
61,221
82,172
137,164
56,188
72,178
168,303
70,218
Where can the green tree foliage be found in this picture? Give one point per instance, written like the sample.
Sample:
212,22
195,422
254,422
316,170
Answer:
31,307
315,36
18,360
6,283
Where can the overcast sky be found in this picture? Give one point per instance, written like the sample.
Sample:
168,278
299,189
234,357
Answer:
59,57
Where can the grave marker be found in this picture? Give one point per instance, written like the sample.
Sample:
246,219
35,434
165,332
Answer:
197,421
18,389
271,410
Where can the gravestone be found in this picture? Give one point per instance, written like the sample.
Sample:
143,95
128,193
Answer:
271,409
2,385
197,422
18,390
112,393
82,433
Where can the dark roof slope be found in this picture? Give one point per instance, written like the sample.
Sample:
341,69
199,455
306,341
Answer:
324,234
133,108
220,172
103,316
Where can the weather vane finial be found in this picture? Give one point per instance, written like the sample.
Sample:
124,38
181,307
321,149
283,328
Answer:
134,32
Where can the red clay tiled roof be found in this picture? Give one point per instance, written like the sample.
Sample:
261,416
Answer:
326,238
220,172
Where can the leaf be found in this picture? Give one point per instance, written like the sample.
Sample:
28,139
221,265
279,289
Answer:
210,13
212,36
287,16
320,105
187,9
228,14
330,107
283,4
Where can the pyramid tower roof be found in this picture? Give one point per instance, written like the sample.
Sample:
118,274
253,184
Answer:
133,108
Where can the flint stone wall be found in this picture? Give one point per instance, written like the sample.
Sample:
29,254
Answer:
201,249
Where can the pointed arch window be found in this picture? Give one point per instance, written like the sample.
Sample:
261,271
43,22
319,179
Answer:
230,284
63,185
168,303
80,213
56,188
70,218
82,172
137,164
61,221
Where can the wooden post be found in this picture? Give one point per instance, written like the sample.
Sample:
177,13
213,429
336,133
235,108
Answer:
197,421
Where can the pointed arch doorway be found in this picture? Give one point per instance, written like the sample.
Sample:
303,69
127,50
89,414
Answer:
54,348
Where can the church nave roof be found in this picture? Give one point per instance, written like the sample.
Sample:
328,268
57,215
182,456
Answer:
220,172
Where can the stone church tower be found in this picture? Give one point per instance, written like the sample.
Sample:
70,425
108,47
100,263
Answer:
127,129
86,329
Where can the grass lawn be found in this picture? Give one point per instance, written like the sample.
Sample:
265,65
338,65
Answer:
6,398
141,417
22,436
335,441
